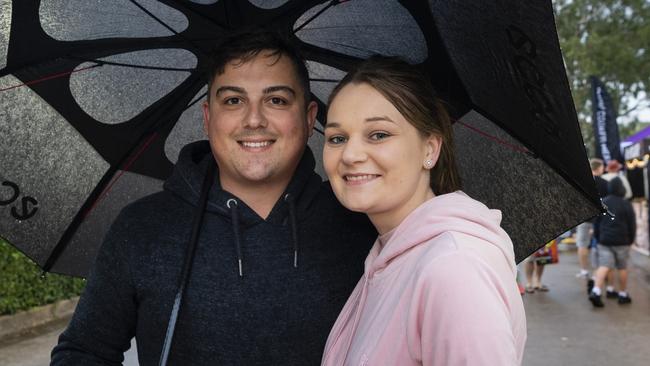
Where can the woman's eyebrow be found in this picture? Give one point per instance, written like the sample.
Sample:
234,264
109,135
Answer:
332,124
378,118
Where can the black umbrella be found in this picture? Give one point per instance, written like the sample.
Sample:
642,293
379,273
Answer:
97,97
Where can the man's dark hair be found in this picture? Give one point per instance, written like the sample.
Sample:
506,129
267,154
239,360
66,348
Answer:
244,45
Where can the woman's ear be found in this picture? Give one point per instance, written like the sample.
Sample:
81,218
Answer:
433,144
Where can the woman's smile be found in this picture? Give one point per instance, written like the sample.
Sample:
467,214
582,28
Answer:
359,179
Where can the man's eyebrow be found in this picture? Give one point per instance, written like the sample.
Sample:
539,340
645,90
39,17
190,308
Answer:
235,89
276,88
378,118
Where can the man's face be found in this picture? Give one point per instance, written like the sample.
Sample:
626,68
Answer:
257,121
598,171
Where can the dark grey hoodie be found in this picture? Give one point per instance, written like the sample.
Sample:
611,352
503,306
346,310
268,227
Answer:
273,314
621,229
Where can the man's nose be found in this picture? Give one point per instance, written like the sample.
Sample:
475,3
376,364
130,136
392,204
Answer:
255,117
354,152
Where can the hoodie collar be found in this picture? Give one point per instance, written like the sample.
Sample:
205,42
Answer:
452,212
187,182
190,169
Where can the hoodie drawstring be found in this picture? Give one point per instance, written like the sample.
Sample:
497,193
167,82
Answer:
294,228
187,262
232,205
234,215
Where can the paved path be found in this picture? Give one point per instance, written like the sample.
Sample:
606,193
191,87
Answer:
563,329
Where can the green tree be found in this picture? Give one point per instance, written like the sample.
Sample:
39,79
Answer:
611,40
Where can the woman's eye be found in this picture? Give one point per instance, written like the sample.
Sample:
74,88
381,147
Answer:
233,101
335,140
379,136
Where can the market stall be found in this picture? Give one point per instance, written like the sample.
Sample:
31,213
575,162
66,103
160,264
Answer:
637,156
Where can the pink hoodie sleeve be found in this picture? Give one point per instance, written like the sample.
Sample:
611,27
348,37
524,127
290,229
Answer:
461,316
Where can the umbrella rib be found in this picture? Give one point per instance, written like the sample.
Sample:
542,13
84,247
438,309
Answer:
124,169
49,77
195,101
154,17
97,63
202,15
318,13
113,63
496,139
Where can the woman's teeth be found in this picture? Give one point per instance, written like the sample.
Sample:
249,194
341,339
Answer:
356,178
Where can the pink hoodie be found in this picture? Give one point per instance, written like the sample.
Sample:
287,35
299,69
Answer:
442,291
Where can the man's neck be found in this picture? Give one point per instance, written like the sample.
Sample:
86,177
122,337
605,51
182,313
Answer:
261,198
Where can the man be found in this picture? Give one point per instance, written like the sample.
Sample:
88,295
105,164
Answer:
614,170
584,231
614,235
276,257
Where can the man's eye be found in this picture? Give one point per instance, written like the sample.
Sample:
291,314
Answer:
336,140
379,136
233,101
280,101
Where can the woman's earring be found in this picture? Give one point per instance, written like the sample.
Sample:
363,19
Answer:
428,164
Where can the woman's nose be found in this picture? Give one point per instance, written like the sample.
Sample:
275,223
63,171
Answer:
354,152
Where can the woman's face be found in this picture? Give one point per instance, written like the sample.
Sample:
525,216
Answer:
374,158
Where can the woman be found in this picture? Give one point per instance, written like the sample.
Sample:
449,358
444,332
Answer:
439,284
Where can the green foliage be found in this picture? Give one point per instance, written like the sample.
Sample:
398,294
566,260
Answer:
23,287
611,40
631,128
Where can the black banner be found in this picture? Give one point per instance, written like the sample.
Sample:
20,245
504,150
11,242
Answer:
608,146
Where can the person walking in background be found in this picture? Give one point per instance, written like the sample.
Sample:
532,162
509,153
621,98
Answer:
534,266
614,170
584,231
614,235
534,273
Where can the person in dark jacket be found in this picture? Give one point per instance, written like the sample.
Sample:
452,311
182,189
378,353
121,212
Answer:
276,256
614,235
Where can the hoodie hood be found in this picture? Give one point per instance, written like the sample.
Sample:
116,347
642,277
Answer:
616,187
452,212
189,180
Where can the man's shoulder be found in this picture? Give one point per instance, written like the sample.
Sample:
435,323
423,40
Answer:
161,199
335,213
327,197
156,209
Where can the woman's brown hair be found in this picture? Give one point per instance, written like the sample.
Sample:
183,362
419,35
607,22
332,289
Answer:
414,97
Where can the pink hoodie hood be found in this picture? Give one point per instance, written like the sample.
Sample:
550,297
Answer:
452,212
440,290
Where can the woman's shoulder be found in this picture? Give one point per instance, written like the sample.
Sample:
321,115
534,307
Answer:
453,252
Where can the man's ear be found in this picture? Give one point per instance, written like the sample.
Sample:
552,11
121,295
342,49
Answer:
312,111
206,116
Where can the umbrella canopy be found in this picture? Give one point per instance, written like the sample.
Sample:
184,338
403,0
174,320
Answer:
97,97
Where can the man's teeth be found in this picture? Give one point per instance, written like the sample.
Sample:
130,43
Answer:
256,144
354,178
